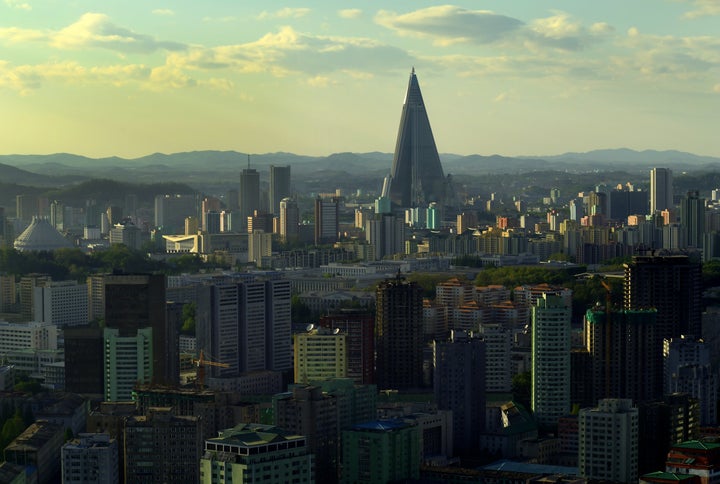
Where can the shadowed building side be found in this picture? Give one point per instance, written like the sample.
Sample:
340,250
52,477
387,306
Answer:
417,175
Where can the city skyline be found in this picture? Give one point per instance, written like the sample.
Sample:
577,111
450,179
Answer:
133,78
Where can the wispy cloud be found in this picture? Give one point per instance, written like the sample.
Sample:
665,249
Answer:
163,12
702,8
350,13
18,4
286,12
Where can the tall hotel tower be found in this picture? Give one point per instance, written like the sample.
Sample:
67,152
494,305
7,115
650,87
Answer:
417,176
661,190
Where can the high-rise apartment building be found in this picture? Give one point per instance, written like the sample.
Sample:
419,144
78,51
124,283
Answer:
608,441
279,186
320,353
90,458
128,361
386,234
416,177
310,412
381,451
249,195
259,454
498,345
162,447
64,303
327,220
661,190
399,334
550,352
459,384
626,354
669,283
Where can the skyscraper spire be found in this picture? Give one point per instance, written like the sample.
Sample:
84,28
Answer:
417,175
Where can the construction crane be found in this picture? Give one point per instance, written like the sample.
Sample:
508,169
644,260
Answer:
201,363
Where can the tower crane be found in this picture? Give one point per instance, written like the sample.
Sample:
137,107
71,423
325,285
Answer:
201,363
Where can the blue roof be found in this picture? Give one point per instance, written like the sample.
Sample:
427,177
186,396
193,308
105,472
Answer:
382,425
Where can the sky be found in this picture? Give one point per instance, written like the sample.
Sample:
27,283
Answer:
523,77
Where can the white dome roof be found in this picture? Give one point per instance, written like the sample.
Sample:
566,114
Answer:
40,235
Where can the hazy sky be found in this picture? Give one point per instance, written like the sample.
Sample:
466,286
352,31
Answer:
131,77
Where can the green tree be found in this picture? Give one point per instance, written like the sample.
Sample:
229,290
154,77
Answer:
189,311
521,389
11,429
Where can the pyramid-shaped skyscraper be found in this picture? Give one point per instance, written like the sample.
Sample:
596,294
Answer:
417,176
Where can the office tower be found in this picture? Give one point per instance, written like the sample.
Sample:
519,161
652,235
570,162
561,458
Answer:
310,412
626,354
399,334
692,219
320,353
466,221
259,246
84,357
162,447
669,283
550,392
362,215
608,441
459,384
8,293
257,453
212,222
381,451
245,325
128,361
171,211
279,186
289,220
624,203
249,194
26,207
137,301
327,220
128,234
90,458
386,234
191,225
64,303
260,221
661,190
688,370
359,328
416,177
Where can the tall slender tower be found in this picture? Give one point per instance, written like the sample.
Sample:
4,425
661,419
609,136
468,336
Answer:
661,190
417,176
692,219
279,186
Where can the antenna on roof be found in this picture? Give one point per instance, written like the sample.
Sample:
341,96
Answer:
413,71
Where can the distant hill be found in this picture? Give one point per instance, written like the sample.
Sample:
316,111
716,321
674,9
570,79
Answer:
204,168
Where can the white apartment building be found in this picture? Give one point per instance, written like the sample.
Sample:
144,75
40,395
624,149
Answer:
64,303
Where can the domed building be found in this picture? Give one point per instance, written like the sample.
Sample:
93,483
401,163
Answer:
40,235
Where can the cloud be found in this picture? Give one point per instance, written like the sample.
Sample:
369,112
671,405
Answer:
26,78
163,12
96,30
350,13
18,4
448,24
702,8
286,12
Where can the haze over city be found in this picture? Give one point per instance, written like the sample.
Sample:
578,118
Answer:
516,78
